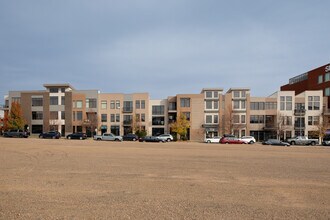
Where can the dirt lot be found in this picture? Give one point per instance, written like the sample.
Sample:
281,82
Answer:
62,179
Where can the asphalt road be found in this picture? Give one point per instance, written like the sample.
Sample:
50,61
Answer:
62,179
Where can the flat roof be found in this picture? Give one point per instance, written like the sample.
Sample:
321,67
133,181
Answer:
62,85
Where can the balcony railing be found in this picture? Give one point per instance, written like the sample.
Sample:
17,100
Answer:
299,112
298,126
127,122
127,109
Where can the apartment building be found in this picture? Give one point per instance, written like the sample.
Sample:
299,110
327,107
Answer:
211,112
121,114
285,114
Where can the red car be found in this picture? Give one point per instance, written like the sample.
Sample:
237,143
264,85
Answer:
231,140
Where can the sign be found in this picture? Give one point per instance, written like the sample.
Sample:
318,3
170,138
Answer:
327,68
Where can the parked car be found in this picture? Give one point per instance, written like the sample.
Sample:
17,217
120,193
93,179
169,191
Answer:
231,140
302,140
79,135
248,139
151,139
130,137
326,140
275,142
16,133
108,137
166,137
50,134
212,140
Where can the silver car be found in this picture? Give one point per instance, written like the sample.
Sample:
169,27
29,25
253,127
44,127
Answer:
165,137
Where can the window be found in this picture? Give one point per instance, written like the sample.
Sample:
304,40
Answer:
185,102
104,104
327,77
112,117
320,79
53,90
79,104
158,109
117,118
243,119
53,115
208,119
128,119
286,103
215,104
53,100
257,106
143,104
187,114
37,115
208,94
236,94
37,102
117,104
215,119
236,104
158,120
91,103
63,90
270,105
137,117
127,106
313,120
137,104
79,115
257,119
216,94
243,95
74,116
63,115
327,92
208,104
112,104
172,106
103,117
16,99
313,102
63,100
143,117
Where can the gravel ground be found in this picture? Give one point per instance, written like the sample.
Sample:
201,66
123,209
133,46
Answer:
62,179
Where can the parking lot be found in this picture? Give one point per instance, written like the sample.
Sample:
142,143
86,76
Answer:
74,179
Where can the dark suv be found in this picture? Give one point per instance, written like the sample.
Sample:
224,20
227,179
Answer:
50,134
130,137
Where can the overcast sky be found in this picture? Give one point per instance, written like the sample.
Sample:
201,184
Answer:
161,47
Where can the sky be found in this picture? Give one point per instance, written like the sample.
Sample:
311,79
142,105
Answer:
161,47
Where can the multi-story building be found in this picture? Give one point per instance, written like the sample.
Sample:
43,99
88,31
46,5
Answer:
121,114
210,113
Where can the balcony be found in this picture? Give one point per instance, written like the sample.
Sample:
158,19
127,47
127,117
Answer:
299,126
127,109
127,122
299,112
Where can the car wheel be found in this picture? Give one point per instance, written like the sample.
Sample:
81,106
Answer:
208,141
80,138
168,139
292,143
69,137
251,142
40,136
133,139
313,143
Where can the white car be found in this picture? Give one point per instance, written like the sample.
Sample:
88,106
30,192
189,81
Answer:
248,139
212,140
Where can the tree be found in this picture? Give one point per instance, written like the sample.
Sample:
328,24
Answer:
16,120
180,126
